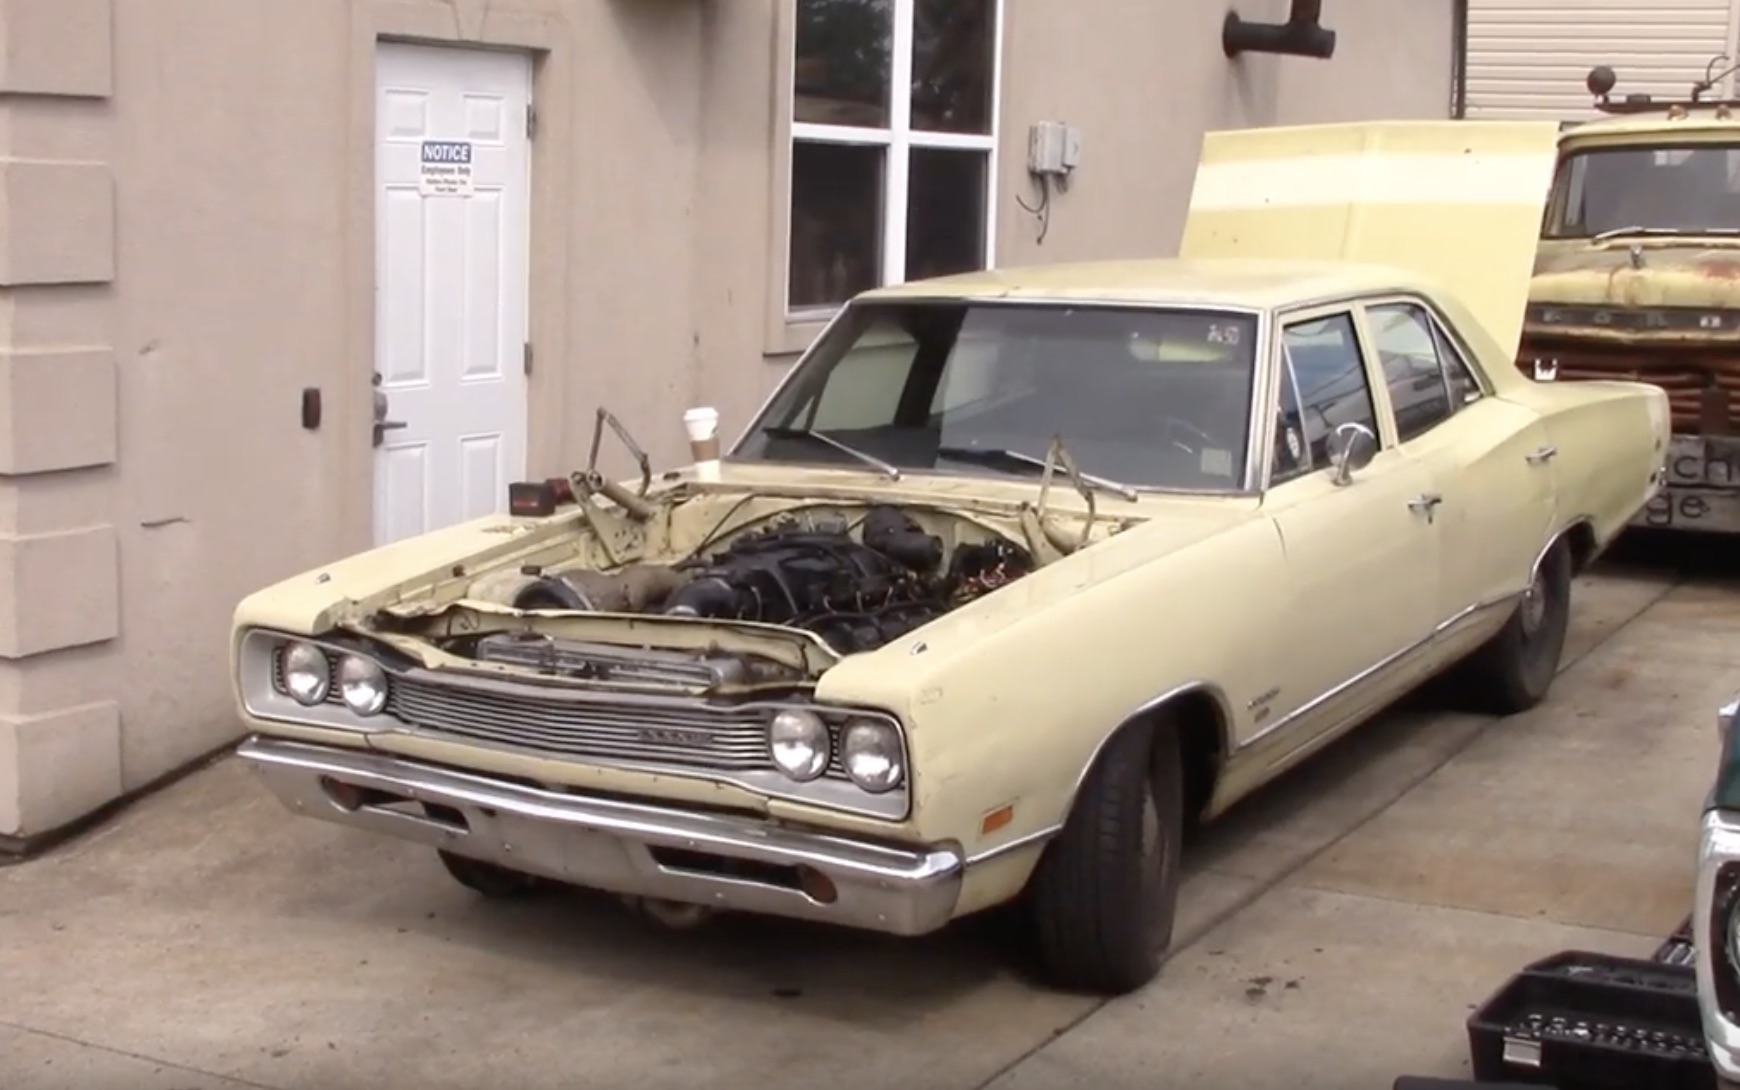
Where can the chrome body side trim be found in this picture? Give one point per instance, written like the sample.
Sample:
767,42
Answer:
1207,688
1038,836
1580,520
1439,630
1718,846
630,848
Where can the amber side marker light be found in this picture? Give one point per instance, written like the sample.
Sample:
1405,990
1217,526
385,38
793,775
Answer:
996,819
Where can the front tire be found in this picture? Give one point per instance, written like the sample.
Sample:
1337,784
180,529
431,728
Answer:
1512,672
1104,898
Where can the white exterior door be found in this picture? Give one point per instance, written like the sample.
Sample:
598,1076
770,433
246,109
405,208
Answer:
452,204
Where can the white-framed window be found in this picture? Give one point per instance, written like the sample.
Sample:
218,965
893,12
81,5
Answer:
893,145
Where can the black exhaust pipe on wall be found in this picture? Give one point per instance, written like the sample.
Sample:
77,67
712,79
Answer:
1302,35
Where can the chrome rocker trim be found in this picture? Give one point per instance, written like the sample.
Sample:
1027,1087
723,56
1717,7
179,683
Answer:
609,845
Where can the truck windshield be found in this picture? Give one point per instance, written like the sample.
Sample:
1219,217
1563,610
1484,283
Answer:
1691,189
1155,398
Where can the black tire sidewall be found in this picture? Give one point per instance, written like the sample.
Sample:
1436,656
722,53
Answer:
1536,656
1101,921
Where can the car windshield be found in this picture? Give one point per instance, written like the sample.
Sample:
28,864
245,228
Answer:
1692,189
1149,397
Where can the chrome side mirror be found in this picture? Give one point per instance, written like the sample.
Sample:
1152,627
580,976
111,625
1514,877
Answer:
1351,448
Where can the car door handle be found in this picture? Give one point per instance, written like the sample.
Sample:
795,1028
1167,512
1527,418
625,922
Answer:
1426,504
1542,456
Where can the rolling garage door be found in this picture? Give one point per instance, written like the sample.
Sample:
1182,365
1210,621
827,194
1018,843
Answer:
1528,58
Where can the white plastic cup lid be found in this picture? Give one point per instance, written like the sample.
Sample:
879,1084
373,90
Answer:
701,423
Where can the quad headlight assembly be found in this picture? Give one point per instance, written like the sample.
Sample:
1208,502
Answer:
310,682
867,751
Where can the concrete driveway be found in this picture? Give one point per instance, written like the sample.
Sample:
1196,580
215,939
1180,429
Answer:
1335,931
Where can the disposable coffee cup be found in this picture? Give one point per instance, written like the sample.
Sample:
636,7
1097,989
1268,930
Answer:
702,424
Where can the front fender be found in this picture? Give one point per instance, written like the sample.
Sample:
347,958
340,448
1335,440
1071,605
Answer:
1016,718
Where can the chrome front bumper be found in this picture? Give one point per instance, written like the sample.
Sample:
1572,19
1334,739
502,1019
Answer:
635,849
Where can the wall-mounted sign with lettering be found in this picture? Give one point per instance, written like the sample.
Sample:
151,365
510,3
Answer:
446,169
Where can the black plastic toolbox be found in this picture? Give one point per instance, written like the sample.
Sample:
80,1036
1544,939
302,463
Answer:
1585,1021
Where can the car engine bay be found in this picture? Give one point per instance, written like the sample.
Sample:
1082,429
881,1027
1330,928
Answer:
857,584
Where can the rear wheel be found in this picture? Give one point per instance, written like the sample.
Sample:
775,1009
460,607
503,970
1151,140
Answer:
1512,672
1105,895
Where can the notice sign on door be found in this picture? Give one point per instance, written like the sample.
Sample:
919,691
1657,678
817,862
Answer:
446,169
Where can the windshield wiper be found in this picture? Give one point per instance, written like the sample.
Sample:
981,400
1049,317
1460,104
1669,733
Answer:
1621,232
992,456
870,460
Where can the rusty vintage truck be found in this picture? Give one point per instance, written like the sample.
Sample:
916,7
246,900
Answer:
1638,277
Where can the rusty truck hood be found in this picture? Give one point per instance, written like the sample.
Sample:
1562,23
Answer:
1638,272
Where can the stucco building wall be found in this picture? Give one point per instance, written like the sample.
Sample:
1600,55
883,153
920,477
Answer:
187,243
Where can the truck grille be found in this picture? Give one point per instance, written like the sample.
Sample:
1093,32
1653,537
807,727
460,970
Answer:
1683,375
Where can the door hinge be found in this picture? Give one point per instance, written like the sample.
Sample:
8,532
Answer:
531,121
527,358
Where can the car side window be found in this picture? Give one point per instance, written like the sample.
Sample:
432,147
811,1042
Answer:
1291,458
1464,387
1327,373
1427,378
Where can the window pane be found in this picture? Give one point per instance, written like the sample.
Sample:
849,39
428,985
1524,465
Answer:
1685,189
945,212
841,71
1332,382
1463,387
867,393
1408,353
836,222
952,42
1148,396
1292,457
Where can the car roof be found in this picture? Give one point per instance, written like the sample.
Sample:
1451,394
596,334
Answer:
1259,284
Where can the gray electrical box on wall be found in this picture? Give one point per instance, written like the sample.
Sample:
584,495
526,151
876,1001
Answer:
1053,148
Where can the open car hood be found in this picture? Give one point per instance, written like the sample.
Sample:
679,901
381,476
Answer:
1457,202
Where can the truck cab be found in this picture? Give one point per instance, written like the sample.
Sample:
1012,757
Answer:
1638,277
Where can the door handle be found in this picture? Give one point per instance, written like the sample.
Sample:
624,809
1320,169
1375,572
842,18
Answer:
1426,505
382,424
1542,456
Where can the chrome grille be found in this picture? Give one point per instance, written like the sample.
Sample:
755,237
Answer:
685,734
677,734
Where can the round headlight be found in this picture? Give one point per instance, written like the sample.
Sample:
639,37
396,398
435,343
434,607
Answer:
870,752
307,674
362,684
798,743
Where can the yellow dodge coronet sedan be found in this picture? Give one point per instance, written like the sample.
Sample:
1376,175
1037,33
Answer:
1014,575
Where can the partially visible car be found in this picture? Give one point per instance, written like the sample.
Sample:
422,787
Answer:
1716,906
